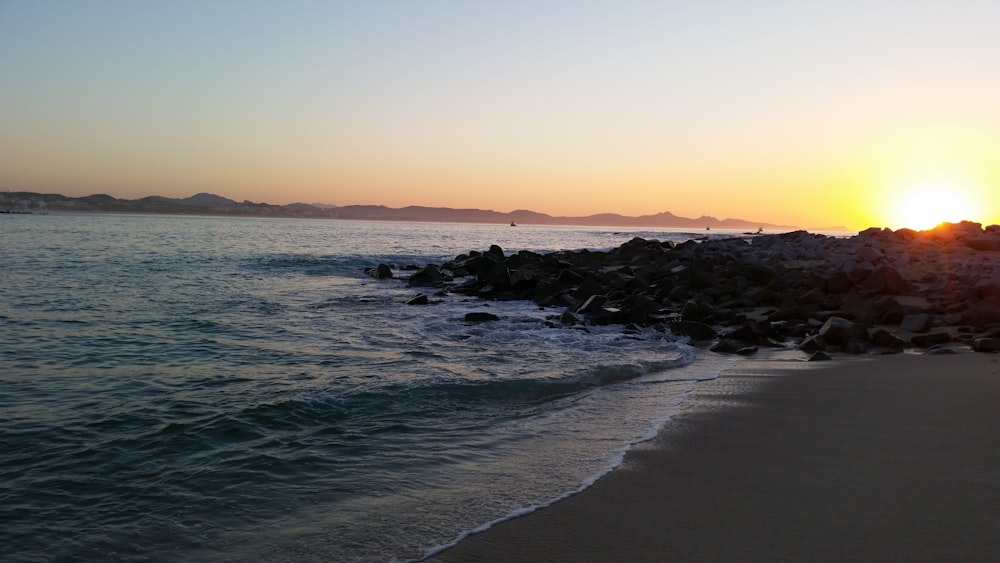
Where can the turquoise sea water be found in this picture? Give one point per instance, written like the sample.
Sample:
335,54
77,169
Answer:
196,388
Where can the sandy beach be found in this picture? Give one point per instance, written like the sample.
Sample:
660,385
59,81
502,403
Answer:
890,458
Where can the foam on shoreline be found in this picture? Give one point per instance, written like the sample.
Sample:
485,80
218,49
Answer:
881,458
717,366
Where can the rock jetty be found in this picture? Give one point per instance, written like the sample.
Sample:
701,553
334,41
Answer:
880,291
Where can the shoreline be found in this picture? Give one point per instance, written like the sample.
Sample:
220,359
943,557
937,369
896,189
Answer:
872,458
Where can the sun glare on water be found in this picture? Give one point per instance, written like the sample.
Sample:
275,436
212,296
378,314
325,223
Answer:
926,206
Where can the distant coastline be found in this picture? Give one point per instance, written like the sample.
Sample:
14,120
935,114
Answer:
210,204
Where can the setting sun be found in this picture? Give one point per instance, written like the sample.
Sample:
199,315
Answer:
927,205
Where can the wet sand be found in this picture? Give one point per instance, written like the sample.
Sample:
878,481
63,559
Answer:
894,458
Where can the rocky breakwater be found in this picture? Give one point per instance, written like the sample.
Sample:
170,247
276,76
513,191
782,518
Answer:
880,291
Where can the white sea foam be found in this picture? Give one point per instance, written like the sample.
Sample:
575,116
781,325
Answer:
708,369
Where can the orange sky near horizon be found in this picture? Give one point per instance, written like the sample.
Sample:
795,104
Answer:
860,114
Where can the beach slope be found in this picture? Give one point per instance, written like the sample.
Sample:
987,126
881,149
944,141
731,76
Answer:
893,458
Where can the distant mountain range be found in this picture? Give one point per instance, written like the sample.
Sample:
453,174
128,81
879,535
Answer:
210,204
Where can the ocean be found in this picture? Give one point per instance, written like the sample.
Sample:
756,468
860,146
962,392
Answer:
231,389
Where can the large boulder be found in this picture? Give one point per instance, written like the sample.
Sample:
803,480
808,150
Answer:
858,308
760,274
639,308
869,255
696,311
916,323
430,276
886,279
839,331
593,304
523,279
983,243
498,275
838,282
884,339
889,311
984,312
988,289
932,339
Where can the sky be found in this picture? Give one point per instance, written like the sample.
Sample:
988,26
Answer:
813,114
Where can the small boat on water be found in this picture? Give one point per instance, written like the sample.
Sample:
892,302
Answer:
513,224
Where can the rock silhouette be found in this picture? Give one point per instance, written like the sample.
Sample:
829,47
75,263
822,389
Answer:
878,291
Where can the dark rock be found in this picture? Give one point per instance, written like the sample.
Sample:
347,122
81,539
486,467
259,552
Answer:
888,311
695,311
885,279
916,323
702,276
760,274
731,346
480,316
869,255
606,316
819,357
825,291
430,276
593,304
639,308
840,331
383,271
858,308
757,332
792,313
928,340
727,346
884,339
857,346
985,312
812,343
692,329
838,282
989,289
498,275
569,277
614,279
631,329
523,279
986,345
722,289
549,292
983,243
420,299
589,287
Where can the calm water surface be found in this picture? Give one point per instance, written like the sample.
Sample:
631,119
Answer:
176,388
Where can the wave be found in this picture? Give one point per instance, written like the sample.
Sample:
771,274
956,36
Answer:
437,393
